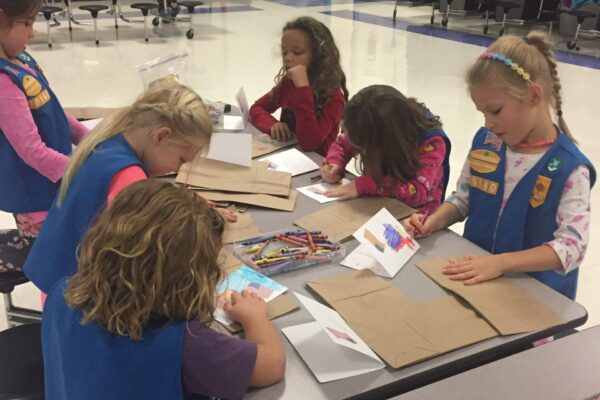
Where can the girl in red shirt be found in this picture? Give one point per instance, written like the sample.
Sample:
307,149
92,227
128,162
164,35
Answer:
310,89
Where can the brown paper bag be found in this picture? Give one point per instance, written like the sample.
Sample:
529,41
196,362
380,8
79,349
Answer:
243,228
262,145
341,220
400,331
222,176
261,200
506,305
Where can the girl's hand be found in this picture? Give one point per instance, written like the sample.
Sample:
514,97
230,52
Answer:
298,75
281,132
245,306
344,192
417,225
331,173
472,269
227,214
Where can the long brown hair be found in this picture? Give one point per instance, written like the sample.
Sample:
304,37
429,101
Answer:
15,9
386,127
325,72
534,53
152,254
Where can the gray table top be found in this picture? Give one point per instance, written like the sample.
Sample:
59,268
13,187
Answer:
564,369
299,382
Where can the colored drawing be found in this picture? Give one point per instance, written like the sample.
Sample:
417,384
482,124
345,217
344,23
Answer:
316,189
371,238
397,238
341,335
260,290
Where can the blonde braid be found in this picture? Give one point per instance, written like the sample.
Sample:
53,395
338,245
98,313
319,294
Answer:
539,40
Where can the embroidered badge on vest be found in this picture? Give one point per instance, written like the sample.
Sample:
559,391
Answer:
484,161
492,139
540,191
39,100
32,86
554,164
485,185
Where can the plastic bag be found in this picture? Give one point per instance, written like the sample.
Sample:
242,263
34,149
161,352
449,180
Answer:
168,68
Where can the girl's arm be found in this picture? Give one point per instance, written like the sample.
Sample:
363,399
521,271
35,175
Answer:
417,191
251,312
261,110
562,254
312,131
78,130
341,151
20,130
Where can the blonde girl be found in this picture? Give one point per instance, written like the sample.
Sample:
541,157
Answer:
165,127
138,309
525,186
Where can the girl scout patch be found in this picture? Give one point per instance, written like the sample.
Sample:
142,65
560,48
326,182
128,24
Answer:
484,161
554,164
31,86
540,191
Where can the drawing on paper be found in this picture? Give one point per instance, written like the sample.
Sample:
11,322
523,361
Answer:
397,238
341,335
374,241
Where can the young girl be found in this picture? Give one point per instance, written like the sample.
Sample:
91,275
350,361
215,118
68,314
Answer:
310,88
525,186
403,150
35,134
164,128
137,311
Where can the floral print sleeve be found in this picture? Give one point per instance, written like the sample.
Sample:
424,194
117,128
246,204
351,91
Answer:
460,197
573,217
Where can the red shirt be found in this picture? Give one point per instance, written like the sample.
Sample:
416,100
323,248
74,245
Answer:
314,132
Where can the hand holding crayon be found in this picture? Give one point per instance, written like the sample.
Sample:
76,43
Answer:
331,173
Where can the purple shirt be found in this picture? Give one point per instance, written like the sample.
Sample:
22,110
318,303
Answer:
215,364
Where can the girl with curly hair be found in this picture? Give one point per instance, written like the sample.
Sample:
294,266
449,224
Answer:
310,89
133,322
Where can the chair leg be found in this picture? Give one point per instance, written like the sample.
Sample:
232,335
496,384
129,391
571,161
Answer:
114,11
146,26
395,10
96,31
48,30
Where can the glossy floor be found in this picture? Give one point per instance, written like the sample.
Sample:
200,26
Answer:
236,43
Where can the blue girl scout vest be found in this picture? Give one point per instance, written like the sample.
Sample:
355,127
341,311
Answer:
89,362
53,255
446,164
529,216
23,188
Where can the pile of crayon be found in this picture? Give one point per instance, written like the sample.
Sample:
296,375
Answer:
284,251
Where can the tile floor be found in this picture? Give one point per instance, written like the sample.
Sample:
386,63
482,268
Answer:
237,43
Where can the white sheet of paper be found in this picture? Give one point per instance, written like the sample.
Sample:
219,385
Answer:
335,327
350,167
235,148
361,258
91,123
387,241
238,122
316,191
292,161
326,360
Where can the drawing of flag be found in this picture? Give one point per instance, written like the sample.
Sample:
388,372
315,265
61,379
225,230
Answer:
494,140
341,335
260,290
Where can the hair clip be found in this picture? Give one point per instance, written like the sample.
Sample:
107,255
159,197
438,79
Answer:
488,55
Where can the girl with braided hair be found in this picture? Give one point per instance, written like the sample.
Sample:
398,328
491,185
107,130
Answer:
167,126
525,186
310,89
